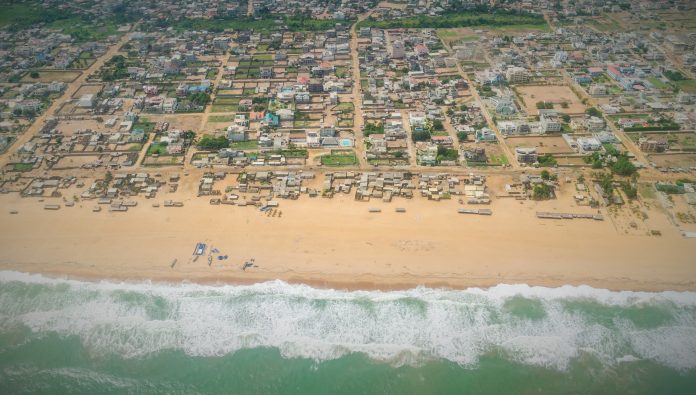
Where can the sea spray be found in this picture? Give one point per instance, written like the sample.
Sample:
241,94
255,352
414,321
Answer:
552,329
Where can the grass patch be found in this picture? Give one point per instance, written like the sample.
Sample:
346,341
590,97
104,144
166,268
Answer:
340,158
157,149
686,85
647,191
501,159
23,166
221,118
248,144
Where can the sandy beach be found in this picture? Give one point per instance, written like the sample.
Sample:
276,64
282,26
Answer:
338,243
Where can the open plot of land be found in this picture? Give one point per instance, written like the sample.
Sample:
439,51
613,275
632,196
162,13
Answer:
677,141
570,161
52,75
86,89
75,161
180,121
673,160
543,144
555,94
69,127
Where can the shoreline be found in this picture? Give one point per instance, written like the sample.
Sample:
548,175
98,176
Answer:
369,282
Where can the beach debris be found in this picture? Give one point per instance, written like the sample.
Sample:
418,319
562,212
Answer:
173,263
375,210
481,211
210,260
400,210
14,212
249,263
200,249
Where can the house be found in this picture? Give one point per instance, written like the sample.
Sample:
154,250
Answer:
485,134
549,121
441,140
327,132
516,75
241,120
598,90
504,105
271,119
266,72
421,50
653,145
315,85
417,121
588,144
245,105
396,50
285,114
86,101
256,115
594,124
169,105
303,97
526,154
236,133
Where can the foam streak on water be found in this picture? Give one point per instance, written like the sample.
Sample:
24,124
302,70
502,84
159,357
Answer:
538,326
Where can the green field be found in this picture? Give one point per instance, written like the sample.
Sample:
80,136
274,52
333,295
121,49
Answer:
686,85
657,83
249,144
157,149
221,118
340,158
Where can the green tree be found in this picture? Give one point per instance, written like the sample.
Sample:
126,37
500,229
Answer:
594,112
437,125
541,192
623,166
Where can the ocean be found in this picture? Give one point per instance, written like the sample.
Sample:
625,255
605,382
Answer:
79,337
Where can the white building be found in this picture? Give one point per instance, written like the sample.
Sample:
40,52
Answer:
548,122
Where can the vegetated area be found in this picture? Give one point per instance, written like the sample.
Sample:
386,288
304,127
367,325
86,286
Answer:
340,158
482,17
680,81
24,14
263,24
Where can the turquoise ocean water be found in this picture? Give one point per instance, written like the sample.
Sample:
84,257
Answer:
66,336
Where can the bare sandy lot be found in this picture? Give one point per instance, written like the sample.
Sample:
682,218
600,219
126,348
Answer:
53,75
556,94
86,89
543,144
673,160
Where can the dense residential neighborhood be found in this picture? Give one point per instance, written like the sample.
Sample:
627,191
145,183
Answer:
241,87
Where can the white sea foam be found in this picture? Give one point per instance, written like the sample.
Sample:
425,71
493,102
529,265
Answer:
401,327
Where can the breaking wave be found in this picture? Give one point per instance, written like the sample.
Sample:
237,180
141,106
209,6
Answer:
539,326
